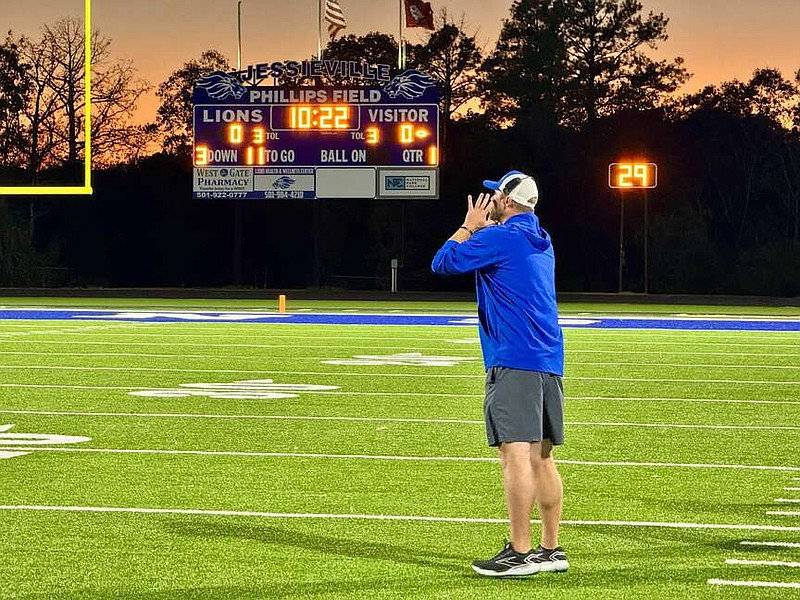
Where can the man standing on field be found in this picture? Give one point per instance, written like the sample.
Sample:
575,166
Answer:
523,353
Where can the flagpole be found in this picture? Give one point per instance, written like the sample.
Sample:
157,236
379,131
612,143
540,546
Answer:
319,37
400,61
239,28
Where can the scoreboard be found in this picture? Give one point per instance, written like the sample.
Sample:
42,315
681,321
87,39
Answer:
316,142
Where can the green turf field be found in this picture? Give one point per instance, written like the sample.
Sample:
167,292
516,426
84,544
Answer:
374,480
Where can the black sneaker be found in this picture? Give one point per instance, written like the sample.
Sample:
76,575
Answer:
550,560
508,563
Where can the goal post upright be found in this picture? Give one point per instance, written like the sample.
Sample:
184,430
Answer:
86,188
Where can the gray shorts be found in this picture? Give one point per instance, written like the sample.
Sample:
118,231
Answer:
523,406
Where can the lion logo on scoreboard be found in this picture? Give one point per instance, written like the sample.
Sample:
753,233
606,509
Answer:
221,86
409,85
283,183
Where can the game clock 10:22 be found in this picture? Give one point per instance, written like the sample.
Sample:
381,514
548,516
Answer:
322,117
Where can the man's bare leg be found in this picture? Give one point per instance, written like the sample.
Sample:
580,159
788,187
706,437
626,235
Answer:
518,484
548,491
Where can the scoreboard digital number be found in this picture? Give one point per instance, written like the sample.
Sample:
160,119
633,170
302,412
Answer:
632,175
275,142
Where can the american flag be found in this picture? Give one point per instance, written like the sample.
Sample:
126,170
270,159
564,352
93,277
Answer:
335,18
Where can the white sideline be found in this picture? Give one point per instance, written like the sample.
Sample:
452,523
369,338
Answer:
792,489
483,459
368,517
763,563
770,584
783,513
772,544
788,500
210,329
158,333
389,420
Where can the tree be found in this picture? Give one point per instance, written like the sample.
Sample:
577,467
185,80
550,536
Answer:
54,115
452,57
375,47
768,94
175,115
574,61
14,89
752,153
39,113
521,79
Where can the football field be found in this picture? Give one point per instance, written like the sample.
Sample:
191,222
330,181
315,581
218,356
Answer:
149,456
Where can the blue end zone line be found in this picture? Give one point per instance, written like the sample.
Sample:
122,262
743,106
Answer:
671,323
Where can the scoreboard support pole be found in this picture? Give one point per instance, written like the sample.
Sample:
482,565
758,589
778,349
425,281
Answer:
621,241
237,242
645,242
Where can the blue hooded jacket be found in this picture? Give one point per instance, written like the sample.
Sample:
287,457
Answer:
514,268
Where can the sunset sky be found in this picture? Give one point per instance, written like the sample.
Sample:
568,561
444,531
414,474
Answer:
720,40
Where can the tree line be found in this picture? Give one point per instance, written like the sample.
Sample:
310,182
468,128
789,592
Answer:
569,87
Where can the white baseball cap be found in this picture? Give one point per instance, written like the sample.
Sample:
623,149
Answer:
518,186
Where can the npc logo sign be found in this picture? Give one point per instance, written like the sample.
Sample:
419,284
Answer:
396,183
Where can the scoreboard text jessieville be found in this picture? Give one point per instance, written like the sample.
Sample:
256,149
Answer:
315,142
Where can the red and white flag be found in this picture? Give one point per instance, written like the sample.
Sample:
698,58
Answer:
335,18
419,14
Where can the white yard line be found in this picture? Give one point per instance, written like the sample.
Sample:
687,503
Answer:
680,365
71,387
259,356
206,344
767,584
788,500
401,375
571,351
421,394
245,417
441,347
792,489
386,420
690,400
5,454
783,513
415,348
763,563
685,426
369,517
155,369
772,544
382,457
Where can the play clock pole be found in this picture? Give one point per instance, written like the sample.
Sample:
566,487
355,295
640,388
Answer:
624,177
